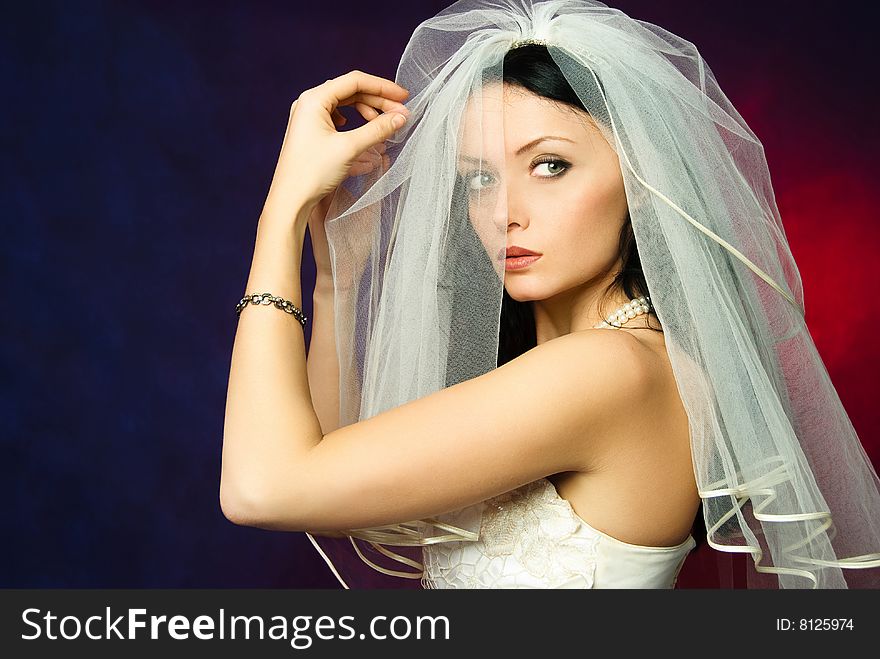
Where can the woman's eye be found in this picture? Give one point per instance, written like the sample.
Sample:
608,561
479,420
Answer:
479,180
554,167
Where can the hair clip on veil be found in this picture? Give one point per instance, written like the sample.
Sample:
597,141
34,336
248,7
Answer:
419,283
528,42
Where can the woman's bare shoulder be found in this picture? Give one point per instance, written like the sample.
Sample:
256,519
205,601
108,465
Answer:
633,349
549,410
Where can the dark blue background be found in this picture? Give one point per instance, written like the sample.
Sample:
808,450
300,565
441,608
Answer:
139,140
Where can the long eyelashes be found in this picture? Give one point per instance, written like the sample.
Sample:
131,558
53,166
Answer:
553,161
468,177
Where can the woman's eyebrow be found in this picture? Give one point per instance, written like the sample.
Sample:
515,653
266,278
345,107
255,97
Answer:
535,142
523,148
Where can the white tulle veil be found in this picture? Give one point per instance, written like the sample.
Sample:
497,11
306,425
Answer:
419,285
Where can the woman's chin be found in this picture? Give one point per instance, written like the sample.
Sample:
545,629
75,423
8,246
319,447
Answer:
521,293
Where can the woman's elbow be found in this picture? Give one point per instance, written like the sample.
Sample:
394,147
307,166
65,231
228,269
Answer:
237,507
250,507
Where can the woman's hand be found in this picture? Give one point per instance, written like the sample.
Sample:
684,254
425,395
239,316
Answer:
315,158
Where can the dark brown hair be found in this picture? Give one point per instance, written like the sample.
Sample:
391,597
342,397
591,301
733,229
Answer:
532,68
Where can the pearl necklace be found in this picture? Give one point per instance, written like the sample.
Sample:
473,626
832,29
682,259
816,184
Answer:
635,307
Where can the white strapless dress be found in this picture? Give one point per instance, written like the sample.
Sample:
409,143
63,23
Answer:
532,538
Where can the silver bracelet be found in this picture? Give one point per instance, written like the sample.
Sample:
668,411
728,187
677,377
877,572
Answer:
268,298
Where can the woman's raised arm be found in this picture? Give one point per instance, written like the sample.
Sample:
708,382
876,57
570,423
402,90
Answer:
270,418
322,362
552,409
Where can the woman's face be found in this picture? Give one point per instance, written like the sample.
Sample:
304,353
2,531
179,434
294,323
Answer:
562,197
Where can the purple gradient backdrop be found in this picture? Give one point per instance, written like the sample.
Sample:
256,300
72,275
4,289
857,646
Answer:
139,140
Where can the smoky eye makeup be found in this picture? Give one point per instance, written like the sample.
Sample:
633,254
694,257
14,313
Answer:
553,161
476,178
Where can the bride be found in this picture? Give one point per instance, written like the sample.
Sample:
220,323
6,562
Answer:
535,351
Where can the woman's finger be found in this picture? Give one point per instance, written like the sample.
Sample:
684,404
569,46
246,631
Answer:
339,119
365,163
369,113
377,102
366,111
374,132
353,82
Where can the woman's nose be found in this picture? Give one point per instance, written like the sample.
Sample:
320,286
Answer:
515,211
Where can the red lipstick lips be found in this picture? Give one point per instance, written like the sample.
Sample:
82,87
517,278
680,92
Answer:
519,257
520,251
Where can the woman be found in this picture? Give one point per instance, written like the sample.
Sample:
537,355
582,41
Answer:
558,446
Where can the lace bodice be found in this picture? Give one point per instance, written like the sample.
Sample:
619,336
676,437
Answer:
532,538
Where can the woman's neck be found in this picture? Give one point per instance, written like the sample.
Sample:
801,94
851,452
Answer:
579,309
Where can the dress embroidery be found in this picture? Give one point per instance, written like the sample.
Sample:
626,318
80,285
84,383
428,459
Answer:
528,536
531,538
